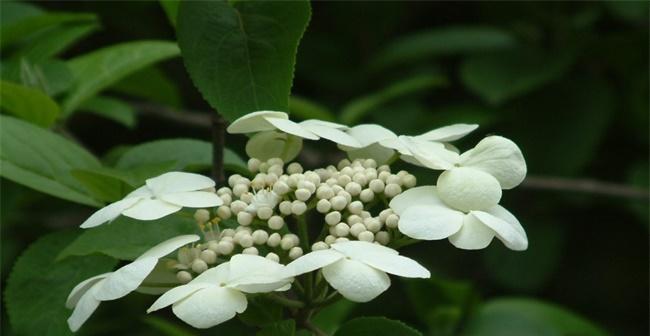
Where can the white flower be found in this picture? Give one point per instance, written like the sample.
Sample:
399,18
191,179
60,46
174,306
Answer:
424,215
86,296
357,269
161,196
263,199
217,294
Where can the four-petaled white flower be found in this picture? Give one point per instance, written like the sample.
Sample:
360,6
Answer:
161,196
357,269
424,215
86,296
217,294
263,199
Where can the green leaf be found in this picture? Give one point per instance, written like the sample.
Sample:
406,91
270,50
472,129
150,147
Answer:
29,104
38,285
302,108
261,311
151,84
187,153
280,328
101,187
330,317
52,76
630,11
514,317
13,11
241,54
442,42
375,326
54,41
42,160
165,327
20,29
111,108
500,76
171,10
126,238
357,109
100,69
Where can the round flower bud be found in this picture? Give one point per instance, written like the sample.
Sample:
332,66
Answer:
213,245
246,197
353,219
224,212
353,188
287,243
341,240
202,215
270,179
357,228
260,237
360,178
337,189
244,218
225,247
239,189
185,255
285,207
254,165
333,218
280,188
392,190
383,176
259,181
366,195
391,221
250,250
223,191
246,240
227,233
199,266
343,180
242,229
273,257
382,237
330,239
275,222
468,189
208,256
384,214
305,184
342,229
342,164
377,185
233,179
367,236
298,207
365,214
373,224
394,179
348,171
370,163
302,194
338,202
332,181
324,192
348,197
264,167
264,212
275,170
313,178
184,277
382,168
294,179
323,206
295,253
275,161
294,168
237,206
317,246
355,207
409,181
274,240
402,173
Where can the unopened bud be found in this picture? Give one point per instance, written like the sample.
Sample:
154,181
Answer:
250,250
199,266
342,229
275,222
319,246
273,257
392,190
333,218
382,237
302,194
224,212
295,252
274,240
208,256
391,221
323,206
244,218
184,277
366,236
225,247
298,207
260,237
264,213
202,215
285,207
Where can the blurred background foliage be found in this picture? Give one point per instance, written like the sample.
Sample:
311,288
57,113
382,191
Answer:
567,81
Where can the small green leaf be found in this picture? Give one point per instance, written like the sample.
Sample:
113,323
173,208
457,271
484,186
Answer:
515,317
165,327
101,187
29,104
375,326
302,108
13,11
100,69
39,285
151,84
280,328
52,76
42,160
20,29
126,238
241,54
54,41
330,317
111,108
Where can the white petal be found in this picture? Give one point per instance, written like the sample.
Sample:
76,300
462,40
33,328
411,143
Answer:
161,279
474,235
81,289
85,307
468,189
125,280
333,134
177,294
291,127
506,226
368,134
396,264
256,274
255,122
376,151
430,222
193,199
210,306
143,191
431,154
355,249
324,123
150,209
174,182
499,157
425,195
396,144
169,246
109,212
355,280
267,145
312,261
448,133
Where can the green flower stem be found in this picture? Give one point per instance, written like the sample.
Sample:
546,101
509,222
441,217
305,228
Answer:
303,234
285,301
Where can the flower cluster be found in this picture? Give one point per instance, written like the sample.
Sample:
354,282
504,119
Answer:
268,231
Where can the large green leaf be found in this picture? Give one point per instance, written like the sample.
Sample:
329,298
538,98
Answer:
42,160
54,41
171,10
126,238
100,69
111,108
29,104
515,317
38,285
241,54
22,28
375,326
13,11
151,84
53,77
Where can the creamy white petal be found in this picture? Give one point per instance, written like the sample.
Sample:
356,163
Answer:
333,134
255,122
424,195
368,134
85,307
174,182
431,154
395,264
474,235
210,306
430,222
161,279
396,144
169,246
177,294
291,127
125,280
109,212
499,157
267,145
255,274
357,248
507,227
312,261
143,191
468,189
355,280
150,209
82,288
324,123
448,133
193,199
376,151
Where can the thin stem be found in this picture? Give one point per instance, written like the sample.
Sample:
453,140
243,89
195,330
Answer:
218,145
314,329
286,301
